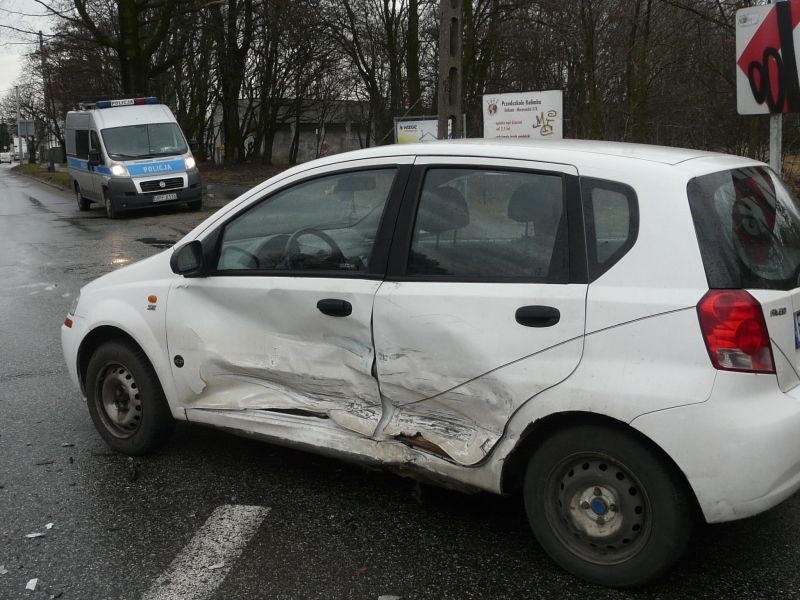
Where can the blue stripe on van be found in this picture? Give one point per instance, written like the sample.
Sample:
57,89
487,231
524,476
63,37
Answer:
83,165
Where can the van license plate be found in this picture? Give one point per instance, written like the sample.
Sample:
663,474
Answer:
163,197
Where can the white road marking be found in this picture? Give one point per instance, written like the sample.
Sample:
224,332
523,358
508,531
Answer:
220,541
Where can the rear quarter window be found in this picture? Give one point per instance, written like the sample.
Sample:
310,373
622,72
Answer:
611,214
748,229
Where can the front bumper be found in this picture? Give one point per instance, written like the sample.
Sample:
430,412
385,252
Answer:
125,196
739,450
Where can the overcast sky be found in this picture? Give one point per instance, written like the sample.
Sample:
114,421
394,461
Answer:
14,45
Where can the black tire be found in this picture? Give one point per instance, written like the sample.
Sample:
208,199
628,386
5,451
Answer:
195,204
83,203
125,399
111,211
606,507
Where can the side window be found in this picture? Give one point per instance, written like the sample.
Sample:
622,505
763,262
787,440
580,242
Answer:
490,224
612,222
94,142
82,143
325,224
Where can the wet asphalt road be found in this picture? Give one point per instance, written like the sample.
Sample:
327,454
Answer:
333,530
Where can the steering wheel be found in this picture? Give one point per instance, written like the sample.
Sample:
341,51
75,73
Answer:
292,243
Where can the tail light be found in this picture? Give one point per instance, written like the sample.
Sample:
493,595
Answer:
735,332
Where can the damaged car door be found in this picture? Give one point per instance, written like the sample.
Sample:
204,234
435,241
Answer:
282,322
483,307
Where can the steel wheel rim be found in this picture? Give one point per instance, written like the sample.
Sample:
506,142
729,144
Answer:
78,194
118,400
597,508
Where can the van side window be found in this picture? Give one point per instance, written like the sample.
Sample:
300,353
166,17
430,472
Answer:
82,143
612,222
479,224
95,142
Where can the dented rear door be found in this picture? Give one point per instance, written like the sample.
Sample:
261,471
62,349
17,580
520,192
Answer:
283,324
482,308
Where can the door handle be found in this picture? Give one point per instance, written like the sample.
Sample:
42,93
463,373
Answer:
537,316
334,307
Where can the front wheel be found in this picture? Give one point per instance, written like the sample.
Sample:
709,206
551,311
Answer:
83,203
606,507
195,204
126,402
111,211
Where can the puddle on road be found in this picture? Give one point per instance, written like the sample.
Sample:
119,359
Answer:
157,243
38,204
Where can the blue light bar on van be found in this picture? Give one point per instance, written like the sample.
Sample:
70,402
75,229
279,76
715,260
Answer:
126,102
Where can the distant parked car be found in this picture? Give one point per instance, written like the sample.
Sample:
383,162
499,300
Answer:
612,330
5,157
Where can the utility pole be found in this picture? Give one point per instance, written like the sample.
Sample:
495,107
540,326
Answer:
19,137
46,93
451,44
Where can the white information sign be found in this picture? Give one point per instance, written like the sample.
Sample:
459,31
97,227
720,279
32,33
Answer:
412,131
524,115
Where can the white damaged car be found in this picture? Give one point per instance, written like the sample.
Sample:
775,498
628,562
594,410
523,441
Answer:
610,329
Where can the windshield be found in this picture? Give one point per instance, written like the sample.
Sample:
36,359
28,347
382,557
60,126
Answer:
144,141
748,226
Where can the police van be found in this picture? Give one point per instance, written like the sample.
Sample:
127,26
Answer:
130,153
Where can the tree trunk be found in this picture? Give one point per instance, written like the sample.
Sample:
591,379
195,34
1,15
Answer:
412,59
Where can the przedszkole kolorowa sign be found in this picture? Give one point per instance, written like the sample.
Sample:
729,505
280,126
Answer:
766,62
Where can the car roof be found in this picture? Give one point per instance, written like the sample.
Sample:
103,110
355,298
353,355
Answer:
567,151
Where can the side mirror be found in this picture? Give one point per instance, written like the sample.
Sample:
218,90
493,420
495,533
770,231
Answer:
194,146
94,157
188,259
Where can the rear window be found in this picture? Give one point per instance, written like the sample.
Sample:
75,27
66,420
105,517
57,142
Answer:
748,228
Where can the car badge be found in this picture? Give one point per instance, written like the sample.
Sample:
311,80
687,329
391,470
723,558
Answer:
162,185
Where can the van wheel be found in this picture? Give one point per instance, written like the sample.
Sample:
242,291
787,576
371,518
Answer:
195,204
83,203
111,212
606,507
125,399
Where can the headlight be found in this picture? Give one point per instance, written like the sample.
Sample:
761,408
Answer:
74,306
189,161
119,170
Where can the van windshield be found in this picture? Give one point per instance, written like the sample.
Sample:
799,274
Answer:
144,141
748,227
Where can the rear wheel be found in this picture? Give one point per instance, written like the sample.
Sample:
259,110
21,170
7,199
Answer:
126,402
606,507
111,211
83,203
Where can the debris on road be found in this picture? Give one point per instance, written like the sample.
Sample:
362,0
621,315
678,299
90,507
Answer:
67,445
216,566
134,473
3,570
49,526
32,585
44,462
34,535
389,597
361,570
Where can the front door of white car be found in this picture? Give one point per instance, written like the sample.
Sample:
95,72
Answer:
488,307
283,321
